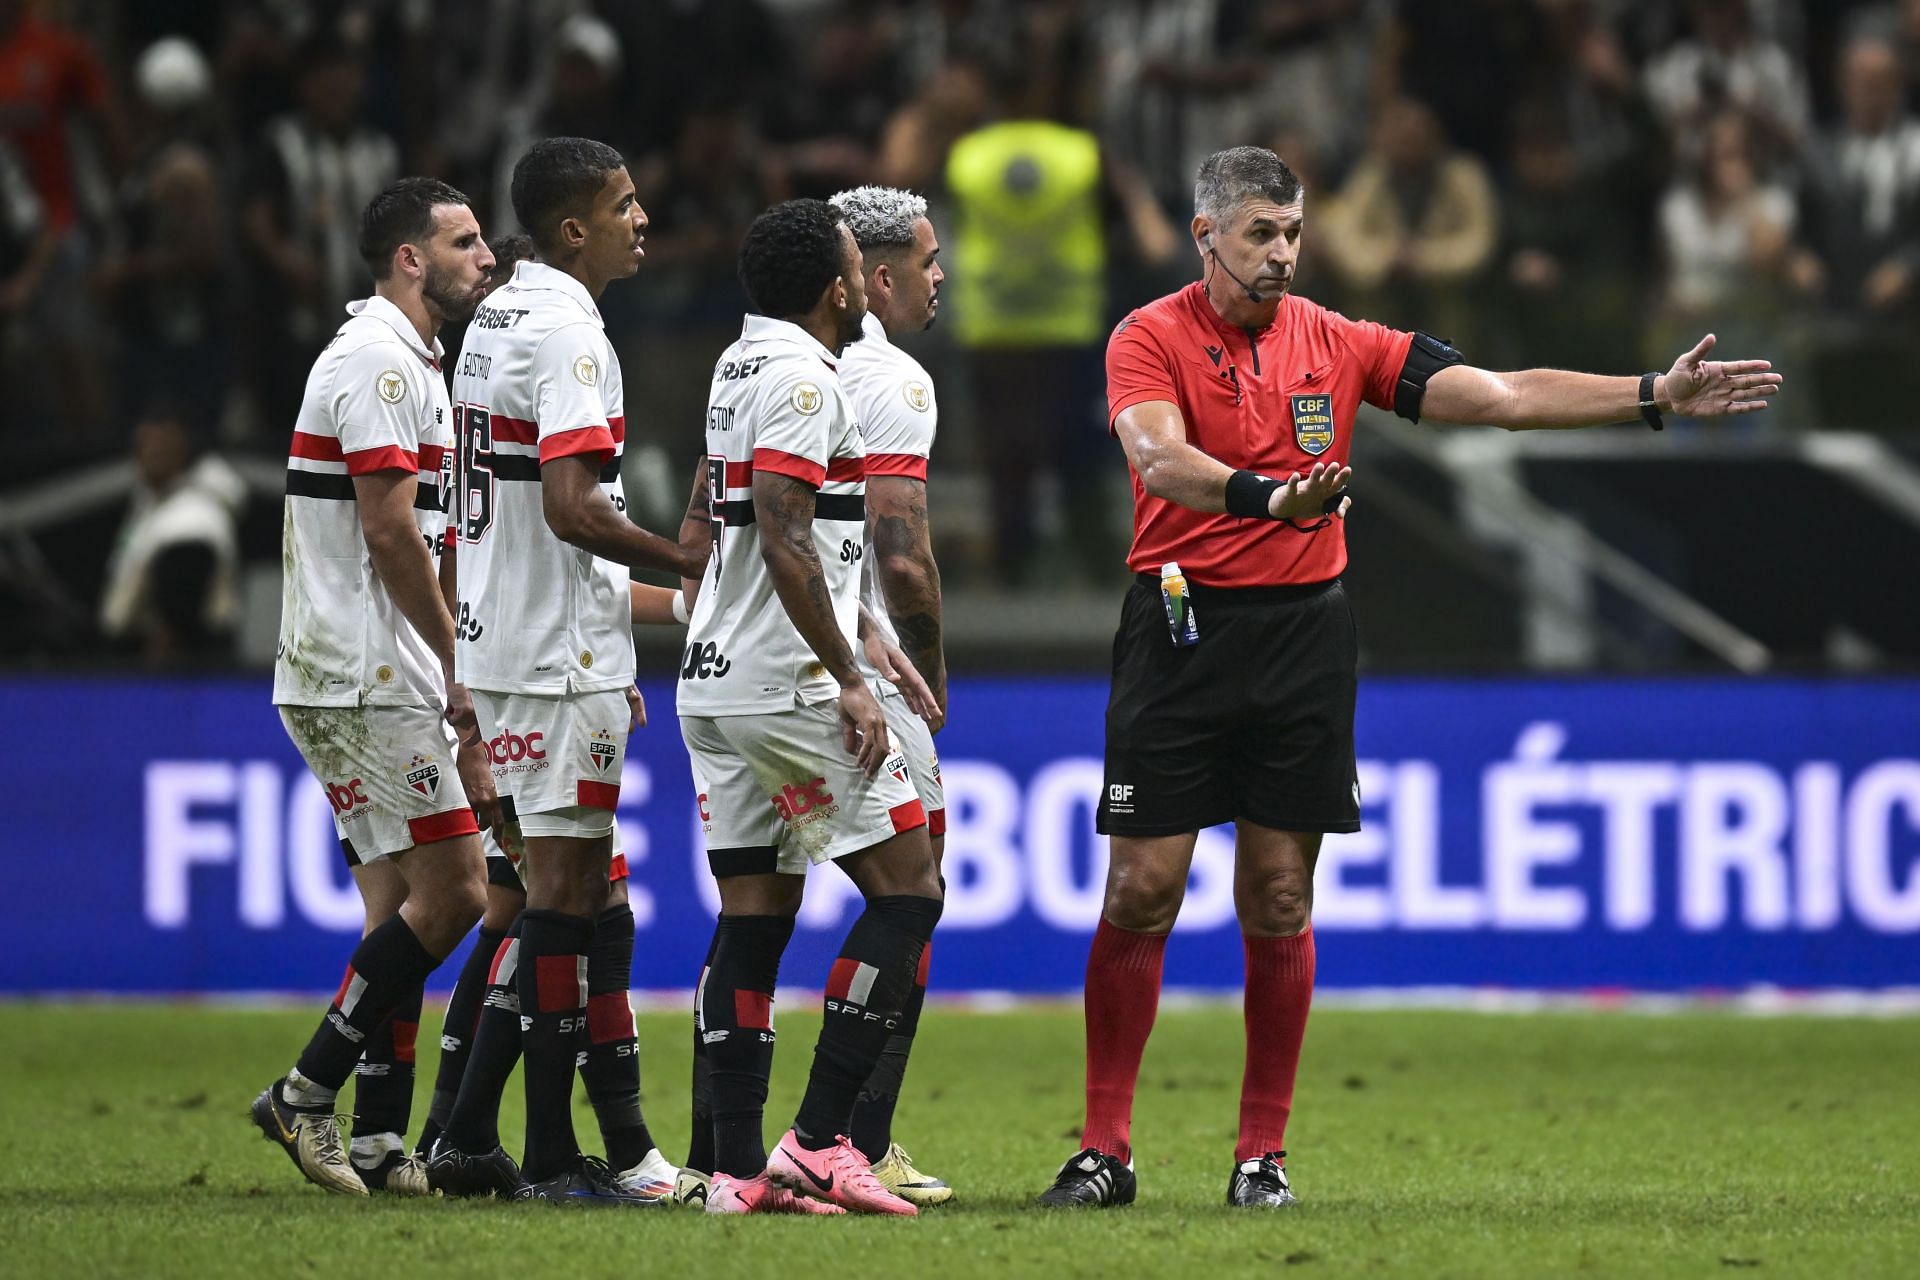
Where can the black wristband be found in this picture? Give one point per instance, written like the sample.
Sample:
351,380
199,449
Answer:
1247,494
1649,409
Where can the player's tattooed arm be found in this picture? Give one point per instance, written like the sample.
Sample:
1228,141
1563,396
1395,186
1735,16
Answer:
696,529
909,577
783,508
578,512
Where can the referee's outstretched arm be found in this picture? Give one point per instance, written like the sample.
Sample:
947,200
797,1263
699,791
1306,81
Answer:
1154,434
1695,387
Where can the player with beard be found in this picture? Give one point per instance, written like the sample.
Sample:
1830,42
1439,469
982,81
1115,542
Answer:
789,747
364,674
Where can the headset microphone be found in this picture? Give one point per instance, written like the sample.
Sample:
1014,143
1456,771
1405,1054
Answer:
1253,294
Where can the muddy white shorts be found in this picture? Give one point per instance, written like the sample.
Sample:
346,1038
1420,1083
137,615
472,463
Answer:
912,739
557,758
779,791
388,773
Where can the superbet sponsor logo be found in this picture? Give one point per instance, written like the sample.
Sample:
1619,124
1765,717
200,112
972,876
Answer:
795,803
346,796
511,748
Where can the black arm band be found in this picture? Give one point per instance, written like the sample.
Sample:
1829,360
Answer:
1427,356
1649,407
1247,494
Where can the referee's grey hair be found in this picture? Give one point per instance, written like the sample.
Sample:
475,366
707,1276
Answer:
880,217
1227,178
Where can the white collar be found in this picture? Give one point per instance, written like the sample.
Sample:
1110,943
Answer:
379,308
528,274
760,328
875,331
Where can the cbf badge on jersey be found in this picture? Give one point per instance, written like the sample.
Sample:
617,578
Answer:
1313,423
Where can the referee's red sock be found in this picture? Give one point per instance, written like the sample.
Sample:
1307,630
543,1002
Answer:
1279,993
1123,994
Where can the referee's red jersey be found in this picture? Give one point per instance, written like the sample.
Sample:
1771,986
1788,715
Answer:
1274,400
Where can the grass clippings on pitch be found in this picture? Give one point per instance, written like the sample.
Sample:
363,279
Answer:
1425,1143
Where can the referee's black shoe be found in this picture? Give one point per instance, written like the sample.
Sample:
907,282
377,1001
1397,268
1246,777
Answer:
1094,1180
454,1172
1261,1183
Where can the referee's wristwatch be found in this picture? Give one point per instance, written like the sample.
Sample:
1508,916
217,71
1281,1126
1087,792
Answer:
1649,409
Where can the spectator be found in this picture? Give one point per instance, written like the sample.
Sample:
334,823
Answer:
1860,243
54,104
1567,258
166,282
573,97
312,173
1727,63
1723,236
1415,226
171,582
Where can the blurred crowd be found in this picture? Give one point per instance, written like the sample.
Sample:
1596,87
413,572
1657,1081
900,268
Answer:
1588,183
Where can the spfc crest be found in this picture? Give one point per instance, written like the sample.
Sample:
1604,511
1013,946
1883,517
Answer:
446,480
1313,422
423,776
601,750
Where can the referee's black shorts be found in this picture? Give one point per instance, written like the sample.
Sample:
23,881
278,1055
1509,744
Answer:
1255,721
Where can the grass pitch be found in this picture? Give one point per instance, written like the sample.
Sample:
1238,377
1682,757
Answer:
1424,1143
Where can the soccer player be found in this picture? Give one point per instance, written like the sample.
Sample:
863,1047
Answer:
1213,391
790,751
364,672
544,637
893,400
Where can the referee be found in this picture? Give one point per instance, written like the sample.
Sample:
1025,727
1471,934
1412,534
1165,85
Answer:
1240,708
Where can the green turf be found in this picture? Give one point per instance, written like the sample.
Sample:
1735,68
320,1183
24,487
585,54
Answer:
1426,1143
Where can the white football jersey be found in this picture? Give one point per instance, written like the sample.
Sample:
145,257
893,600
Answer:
375,401
537,380
776,405
893,399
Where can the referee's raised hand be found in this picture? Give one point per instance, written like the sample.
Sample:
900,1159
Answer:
1305,497
1701,388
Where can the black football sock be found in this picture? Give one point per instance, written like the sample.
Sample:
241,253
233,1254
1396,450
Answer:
611,1071
473,1125
866,1002
873,1111
387,966
457,1032
553,1006
700,1145
383,1078
736,1011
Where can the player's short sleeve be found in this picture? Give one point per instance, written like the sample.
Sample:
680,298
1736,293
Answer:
800,417
898,420
570,369
379,401
1381,351
1138,368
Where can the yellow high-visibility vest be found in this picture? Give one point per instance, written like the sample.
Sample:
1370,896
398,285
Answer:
1029,256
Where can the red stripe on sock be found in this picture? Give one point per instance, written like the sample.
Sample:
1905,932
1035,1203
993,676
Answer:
597,795
346,980
907,816
840,978
1279,996
1123,994
753,1010
936,822
609,1018
556,979
404,1035
926,959
499,958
